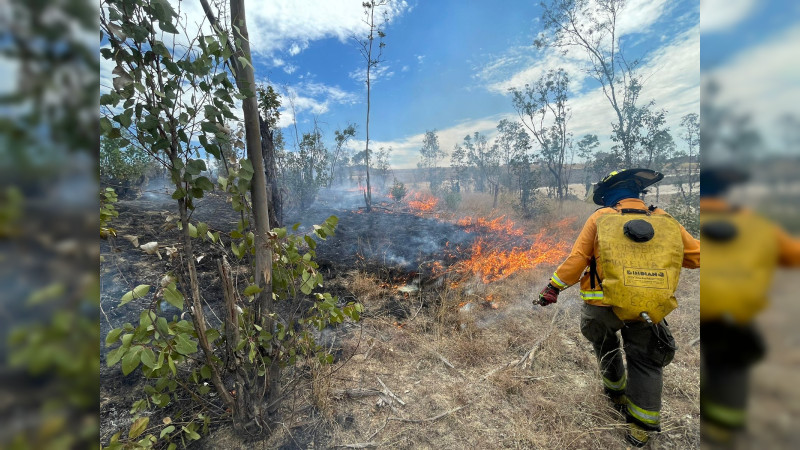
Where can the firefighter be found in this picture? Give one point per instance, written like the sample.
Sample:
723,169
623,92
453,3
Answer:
741,252
634,255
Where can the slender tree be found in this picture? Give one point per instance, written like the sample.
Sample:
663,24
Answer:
543,109
431,155
372,57
591,26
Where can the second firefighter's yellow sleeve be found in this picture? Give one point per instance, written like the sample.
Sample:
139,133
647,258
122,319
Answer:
570,271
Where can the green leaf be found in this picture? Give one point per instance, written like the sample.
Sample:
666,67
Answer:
162,327
195,166
252,290
246,172
202,229
138,292
112,336
114,356
131,360
205,372
191,434
171,364
184,346
179,194
192,230
138,427
173,297
204,184
148,358
244,61
167,431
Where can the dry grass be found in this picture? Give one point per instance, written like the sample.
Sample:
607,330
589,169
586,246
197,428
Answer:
451,368
557,402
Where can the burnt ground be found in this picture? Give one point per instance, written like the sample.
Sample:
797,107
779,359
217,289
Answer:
391,243
432,338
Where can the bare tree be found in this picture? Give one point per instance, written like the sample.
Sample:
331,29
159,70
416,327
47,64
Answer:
591,25
372,60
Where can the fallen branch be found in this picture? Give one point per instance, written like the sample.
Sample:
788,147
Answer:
429,419
360,444
447,363
372,436
356,393
390,393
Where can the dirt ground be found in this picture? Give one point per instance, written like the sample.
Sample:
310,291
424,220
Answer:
432,364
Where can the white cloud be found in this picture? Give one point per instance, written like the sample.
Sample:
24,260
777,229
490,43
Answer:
290,25
311,98
721,15
672,75
380,72
762,81
523,64
290,68
404,69
420,59
639,15
405,151
296,48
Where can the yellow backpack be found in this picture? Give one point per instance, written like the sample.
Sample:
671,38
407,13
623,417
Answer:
640,257
739,254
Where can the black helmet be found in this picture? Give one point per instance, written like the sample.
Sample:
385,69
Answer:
636,178
717,180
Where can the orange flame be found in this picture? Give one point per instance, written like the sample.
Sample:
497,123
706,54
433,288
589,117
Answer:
492,264
422,202
504,249
498,225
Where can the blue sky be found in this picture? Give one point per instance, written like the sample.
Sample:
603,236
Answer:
448,65
750,47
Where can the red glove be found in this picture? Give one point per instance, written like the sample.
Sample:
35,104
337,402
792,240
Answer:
549,295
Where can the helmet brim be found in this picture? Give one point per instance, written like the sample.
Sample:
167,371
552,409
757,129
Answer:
641,177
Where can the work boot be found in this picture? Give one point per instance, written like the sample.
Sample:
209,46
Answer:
619,402
637,436
718,436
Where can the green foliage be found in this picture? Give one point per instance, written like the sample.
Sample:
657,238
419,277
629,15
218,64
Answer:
545,102
305,171
269,102
10,211
164,349
398,190
120,161
431,156
107,211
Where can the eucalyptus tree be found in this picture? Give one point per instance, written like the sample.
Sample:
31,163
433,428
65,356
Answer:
543,109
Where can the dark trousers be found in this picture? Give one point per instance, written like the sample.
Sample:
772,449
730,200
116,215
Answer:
645,354
728,353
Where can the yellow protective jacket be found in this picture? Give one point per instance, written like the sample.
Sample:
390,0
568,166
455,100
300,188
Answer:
737,278
573,269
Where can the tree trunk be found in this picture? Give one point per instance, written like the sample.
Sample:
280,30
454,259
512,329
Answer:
268,153
263,303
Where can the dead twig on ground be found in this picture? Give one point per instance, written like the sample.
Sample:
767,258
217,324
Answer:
429,419
390,393
358,445
356,393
